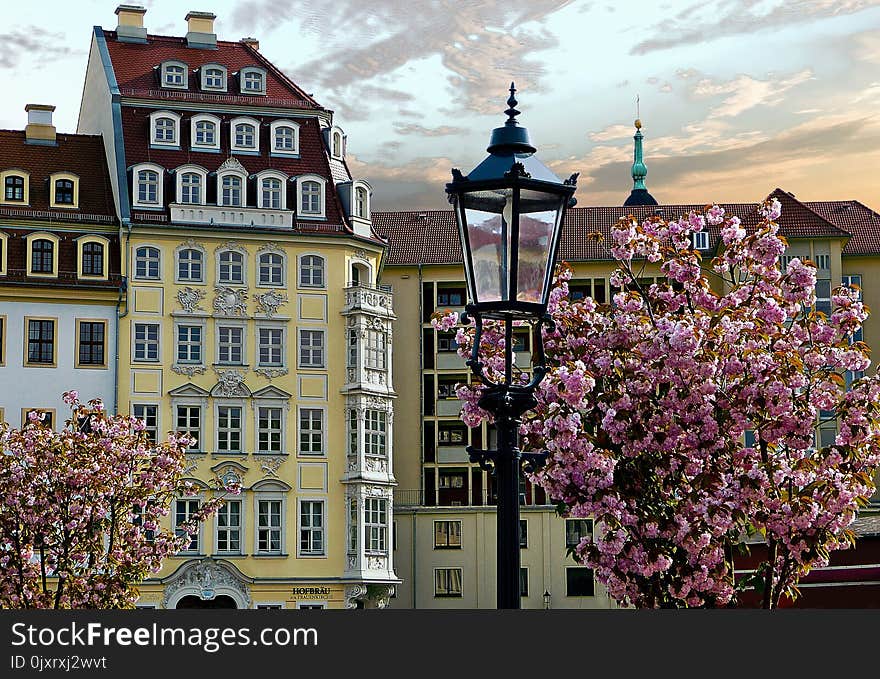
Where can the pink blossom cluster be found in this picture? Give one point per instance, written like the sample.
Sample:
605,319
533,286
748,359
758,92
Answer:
685,415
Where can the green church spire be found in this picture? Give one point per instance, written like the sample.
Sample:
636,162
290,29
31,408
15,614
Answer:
639,170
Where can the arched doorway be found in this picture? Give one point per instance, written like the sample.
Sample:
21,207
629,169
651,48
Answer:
192,601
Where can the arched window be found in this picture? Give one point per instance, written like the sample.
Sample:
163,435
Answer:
93,259
174,75
214,78
146,263
245,136
271,193
166,130
231,190
148,186
311,271
253,82
42,256
64,192
191,188
14,188
337,145
311,198
271,269
206,133
361,198
285,138
189,265
231,267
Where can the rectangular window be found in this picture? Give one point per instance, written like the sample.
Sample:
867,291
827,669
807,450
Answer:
447,297
823,262
189,421
823,296
269,423
576,530
45,418
447,535
854,281
523,582
184,510
229,527
189,344
91,338
271,346
228,429
149,415
452,435
447,582
375,426
229,345
446,342
269,526
311,348
311,431
579,582
311,527
376,350
146,341
352,525
137,519
376,525
41,342
523,533
700,240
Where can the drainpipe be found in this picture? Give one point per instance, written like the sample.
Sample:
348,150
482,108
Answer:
123,290
421,440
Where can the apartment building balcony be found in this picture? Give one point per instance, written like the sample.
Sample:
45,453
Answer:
231,216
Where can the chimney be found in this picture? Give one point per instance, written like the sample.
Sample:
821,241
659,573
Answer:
40,129
200,30
131,24
253,43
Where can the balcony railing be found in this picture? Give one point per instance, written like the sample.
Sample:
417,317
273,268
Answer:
226,215
376,300
408,498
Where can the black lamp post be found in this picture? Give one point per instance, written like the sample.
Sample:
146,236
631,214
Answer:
509,211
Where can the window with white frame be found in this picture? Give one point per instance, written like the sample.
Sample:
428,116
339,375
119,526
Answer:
352,525
149,415
245,136
165,130
375,431
376,525
213,77
174,75
146,342
270,350
352,349
700,240
229,429
311,348
270,193
148,189
229,527
271,269
191,188
376,350
311,527
231,190
361,203
189,421
854,281
336,145
205,132
269,526
190,264
147,263
353,432
311,431
230,345
189,344
253,81
311,271
311,198
823,262
184,512
230,267
269,429
284,138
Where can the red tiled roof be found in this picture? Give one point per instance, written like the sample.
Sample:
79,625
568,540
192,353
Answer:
80,154
858,219
134,65
799,220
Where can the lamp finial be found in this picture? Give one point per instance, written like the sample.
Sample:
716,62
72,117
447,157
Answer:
511,112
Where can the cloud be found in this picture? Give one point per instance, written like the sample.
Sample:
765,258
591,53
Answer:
441,131
746,92
612,132
707,21
32,42
686,73
482,43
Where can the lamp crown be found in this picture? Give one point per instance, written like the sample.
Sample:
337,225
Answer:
511,111
511,138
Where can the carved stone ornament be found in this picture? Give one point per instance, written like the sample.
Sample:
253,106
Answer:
203,578
271,373
192,463
377,562
189,370
352,562
230,301
231,163
269,302
377,465
190,299
361,253
270,247
228,476
383,599
352,463
231,384
353,594
269,466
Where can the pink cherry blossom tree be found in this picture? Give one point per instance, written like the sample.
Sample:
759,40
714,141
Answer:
81,509
683,416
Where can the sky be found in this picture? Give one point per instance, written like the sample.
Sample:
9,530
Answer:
736,97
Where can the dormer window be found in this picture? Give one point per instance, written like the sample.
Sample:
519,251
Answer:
361,203
285,138
191,182
245,134
64,190
271,190
14,188
174,74
205,132
253,80
147,185
164,129
231,190
213,77
310,195
337,145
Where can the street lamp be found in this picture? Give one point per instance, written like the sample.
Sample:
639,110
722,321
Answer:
509,211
